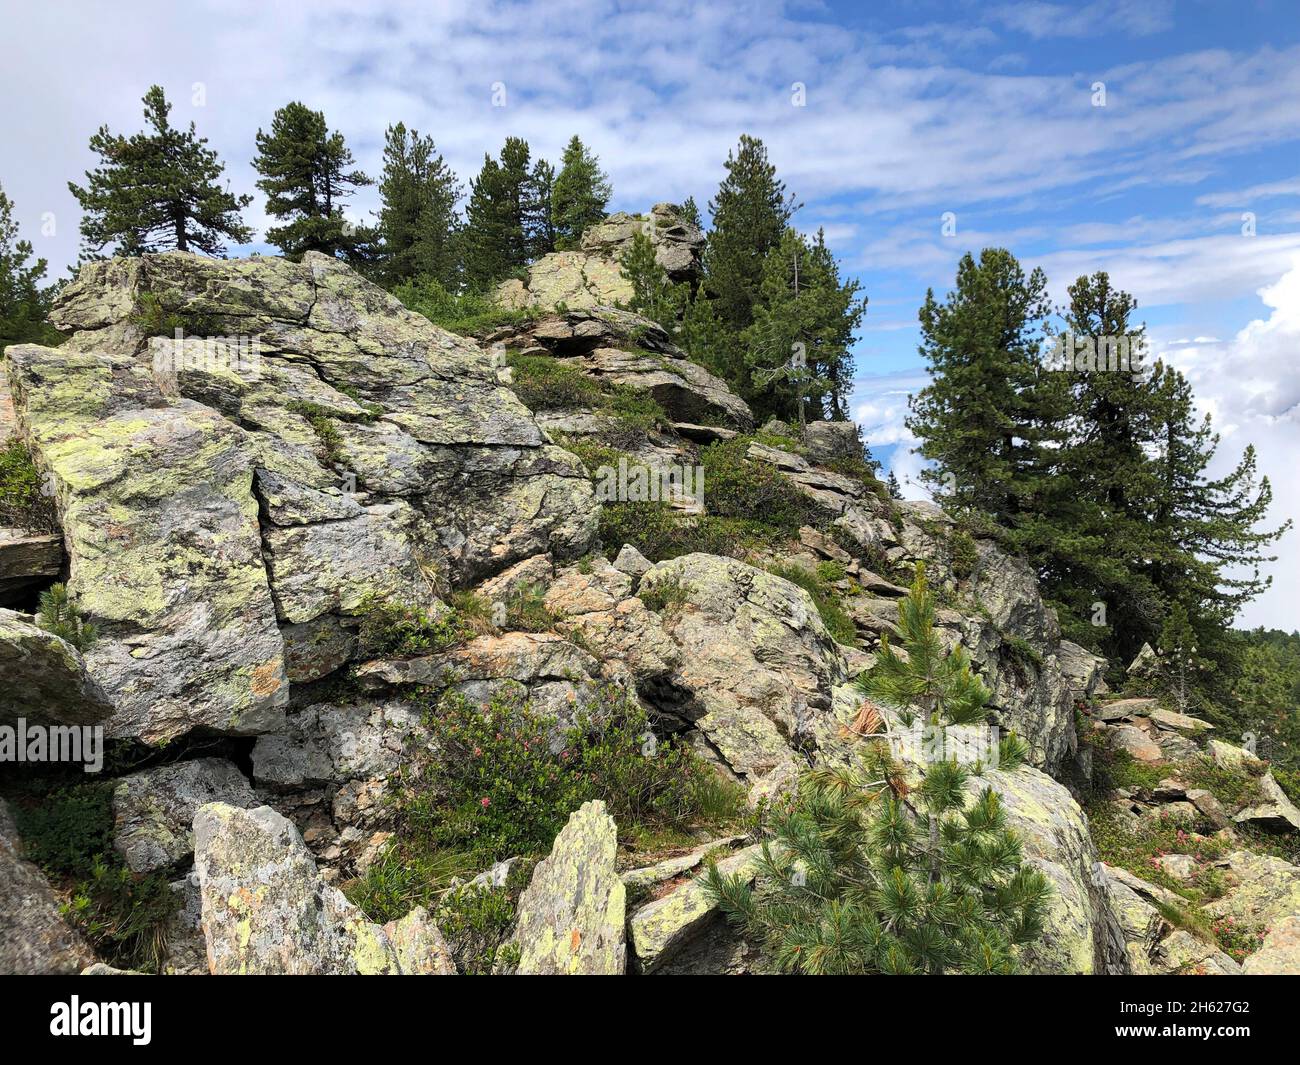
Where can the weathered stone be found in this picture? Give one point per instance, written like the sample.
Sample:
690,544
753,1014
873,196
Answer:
757,663
24,557
1265,889
1226,756
1209,807
1169,719
829,441
630,561
673,867
660,929
571,915
266,909
1135,742
1276,813
1280,954
45,678
1182,953
1082,670
153,810
34,938
1123,709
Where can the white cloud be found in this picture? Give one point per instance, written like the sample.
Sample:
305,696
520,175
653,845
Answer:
1251,388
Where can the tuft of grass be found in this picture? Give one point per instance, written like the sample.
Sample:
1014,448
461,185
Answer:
468,313
665,595
825,598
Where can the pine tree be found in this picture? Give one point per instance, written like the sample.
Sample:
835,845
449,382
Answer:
926,680
895,489
157,191
417,222
691,213
1204,527
57,615
653,295
992,413
23,303
861,877
499,234
1106,481
543,233
580,195
750,213
798,359
307,172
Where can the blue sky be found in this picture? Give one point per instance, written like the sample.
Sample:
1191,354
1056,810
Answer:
984,110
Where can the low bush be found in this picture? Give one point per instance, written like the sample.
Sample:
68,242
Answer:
22,504
391,627
469,313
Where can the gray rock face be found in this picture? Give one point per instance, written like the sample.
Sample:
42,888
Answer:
267,910
593,276
1083,671
757,665
214,492
34,938
45,678
1276,813
626,349
154,809
828,441
571,915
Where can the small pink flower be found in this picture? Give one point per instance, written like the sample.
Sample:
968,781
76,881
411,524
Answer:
485,802
478,751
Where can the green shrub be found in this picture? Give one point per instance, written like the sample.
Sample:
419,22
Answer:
854,884
825,598
659,532
469,313
965,555
477,921
545,383
738,487
391,627
526,610
667,593
69,834
22,505
504,780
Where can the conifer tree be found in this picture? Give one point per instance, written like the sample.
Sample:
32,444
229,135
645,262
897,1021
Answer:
307,173
799,362
542,229
895,489
157,191
691,213
750,213
500,219
653,295
580,195
991,414
1106,480
24,304
1208,548
417,222
863,876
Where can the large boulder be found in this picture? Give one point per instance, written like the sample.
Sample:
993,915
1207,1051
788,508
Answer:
34,937
1280,953
46,681
1262,889
571,915
757,664
154,809
267,910
234,495
592,276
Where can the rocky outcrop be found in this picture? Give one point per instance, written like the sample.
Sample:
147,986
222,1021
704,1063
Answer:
1280,954
46,681
592,276
571,915
267,910
228,497
757,665
622,348
154,809
34,937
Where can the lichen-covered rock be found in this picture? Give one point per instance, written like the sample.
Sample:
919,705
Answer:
571,915
1264,889
1280,953
592,276
659,930
153,810
45,677
34,937
626,349
1136,743
1276,812
307,445
828,441
757,664
1083,671
267,910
